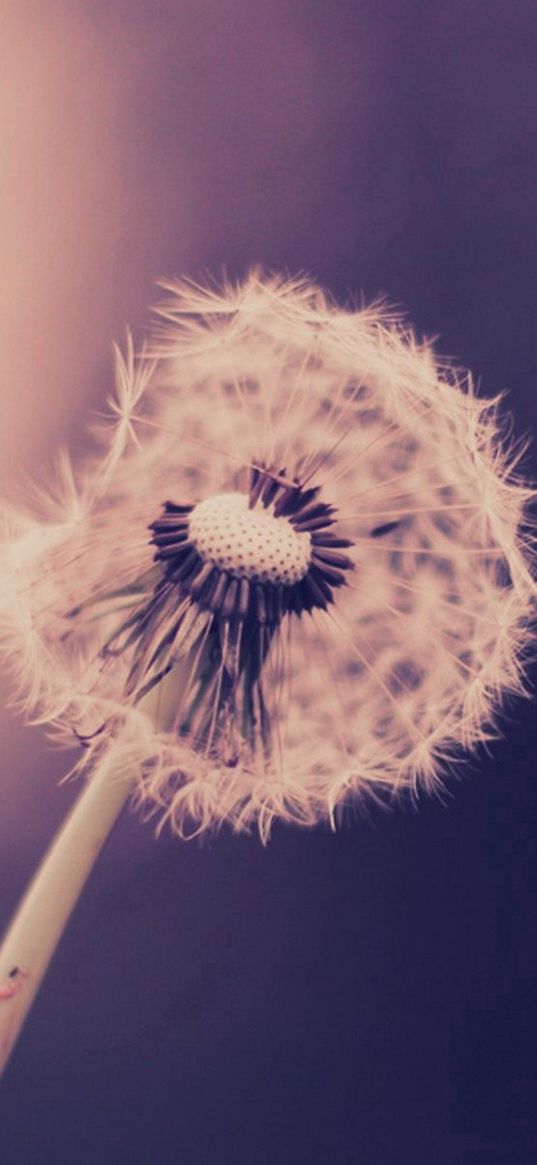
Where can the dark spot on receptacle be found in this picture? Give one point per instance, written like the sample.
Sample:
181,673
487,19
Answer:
355,390
407,676
369,417
250,385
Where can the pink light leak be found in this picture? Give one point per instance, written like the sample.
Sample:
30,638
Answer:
75,254
133,148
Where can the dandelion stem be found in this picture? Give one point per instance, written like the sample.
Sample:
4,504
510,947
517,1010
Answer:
39,922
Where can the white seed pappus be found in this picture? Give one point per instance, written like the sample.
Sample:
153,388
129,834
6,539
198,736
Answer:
383,663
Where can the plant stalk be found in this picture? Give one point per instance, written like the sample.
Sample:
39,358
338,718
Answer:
43,913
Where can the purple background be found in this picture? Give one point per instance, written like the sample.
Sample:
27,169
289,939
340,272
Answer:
360,998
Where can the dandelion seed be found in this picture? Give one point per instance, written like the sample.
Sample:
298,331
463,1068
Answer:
299,572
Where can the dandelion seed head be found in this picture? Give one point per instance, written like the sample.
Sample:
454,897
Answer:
249,543
304,538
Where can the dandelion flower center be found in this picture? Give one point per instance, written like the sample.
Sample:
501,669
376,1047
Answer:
249,543
232,567
253,556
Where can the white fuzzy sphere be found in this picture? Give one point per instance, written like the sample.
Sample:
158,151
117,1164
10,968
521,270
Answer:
379,693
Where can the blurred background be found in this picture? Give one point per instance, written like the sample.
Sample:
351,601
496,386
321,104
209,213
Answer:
366,997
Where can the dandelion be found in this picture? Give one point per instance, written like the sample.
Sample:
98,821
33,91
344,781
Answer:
298,574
